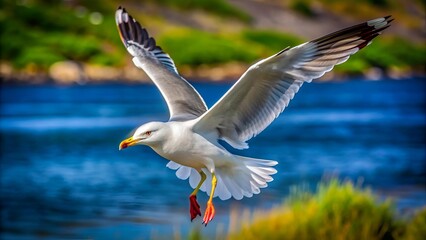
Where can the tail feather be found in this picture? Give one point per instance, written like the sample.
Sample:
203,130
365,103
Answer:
222,190
260,176
183,172
255,189
244,179
194,177
240,177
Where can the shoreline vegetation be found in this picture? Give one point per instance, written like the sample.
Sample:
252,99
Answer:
337,210
76,41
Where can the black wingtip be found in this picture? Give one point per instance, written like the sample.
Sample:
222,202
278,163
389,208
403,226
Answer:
389,19
132,33
122,9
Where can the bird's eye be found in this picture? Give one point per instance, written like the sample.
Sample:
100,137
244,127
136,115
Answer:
147,133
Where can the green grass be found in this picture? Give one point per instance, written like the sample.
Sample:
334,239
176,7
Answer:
416,228
336,211
386,53
41,33
272,40
303,7
218,7
195,48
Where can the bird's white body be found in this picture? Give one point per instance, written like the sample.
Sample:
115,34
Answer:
190,138
191,152
190,149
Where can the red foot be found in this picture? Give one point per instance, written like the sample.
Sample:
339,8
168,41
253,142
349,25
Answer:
209,214
194,207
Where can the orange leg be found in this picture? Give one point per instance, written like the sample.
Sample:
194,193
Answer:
194,207
210,211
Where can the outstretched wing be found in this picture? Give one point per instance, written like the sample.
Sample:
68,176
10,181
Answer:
267,87
183,100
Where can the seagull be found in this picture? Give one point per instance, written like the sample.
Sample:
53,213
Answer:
190,139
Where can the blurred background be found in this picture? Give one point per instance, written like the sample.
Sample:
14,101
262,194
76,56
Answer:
76,41
70,94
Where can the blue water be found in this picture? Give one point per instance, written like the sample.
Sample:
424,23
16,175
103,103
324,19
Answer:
62,175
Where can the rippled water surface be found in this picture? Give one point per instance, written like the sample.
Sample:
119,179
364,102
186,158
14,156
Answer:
62,175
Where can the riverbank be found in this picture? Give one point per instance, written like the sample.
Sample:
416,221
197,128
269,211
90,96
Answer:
69,72
215,40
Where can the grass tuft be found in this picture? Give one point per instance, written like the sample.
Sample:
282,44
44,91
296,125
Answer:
416,228
337,211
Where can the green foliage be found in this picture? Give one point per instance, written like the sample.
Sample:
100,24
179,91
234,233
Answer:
356,65
336,211
218,7
303,7
38,34
192,47
386,53
107,59
416,228
397,52
195,234
41,32
272,40
40,56
72,46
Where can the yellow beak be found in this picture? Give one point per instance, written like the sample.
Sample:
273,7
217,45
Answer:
127,143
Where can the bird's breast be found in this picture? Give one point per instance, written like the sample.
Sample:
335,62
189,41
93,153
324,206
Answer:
189,149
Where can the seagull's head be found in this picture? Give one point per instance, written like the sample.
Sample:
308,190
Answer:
149,134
